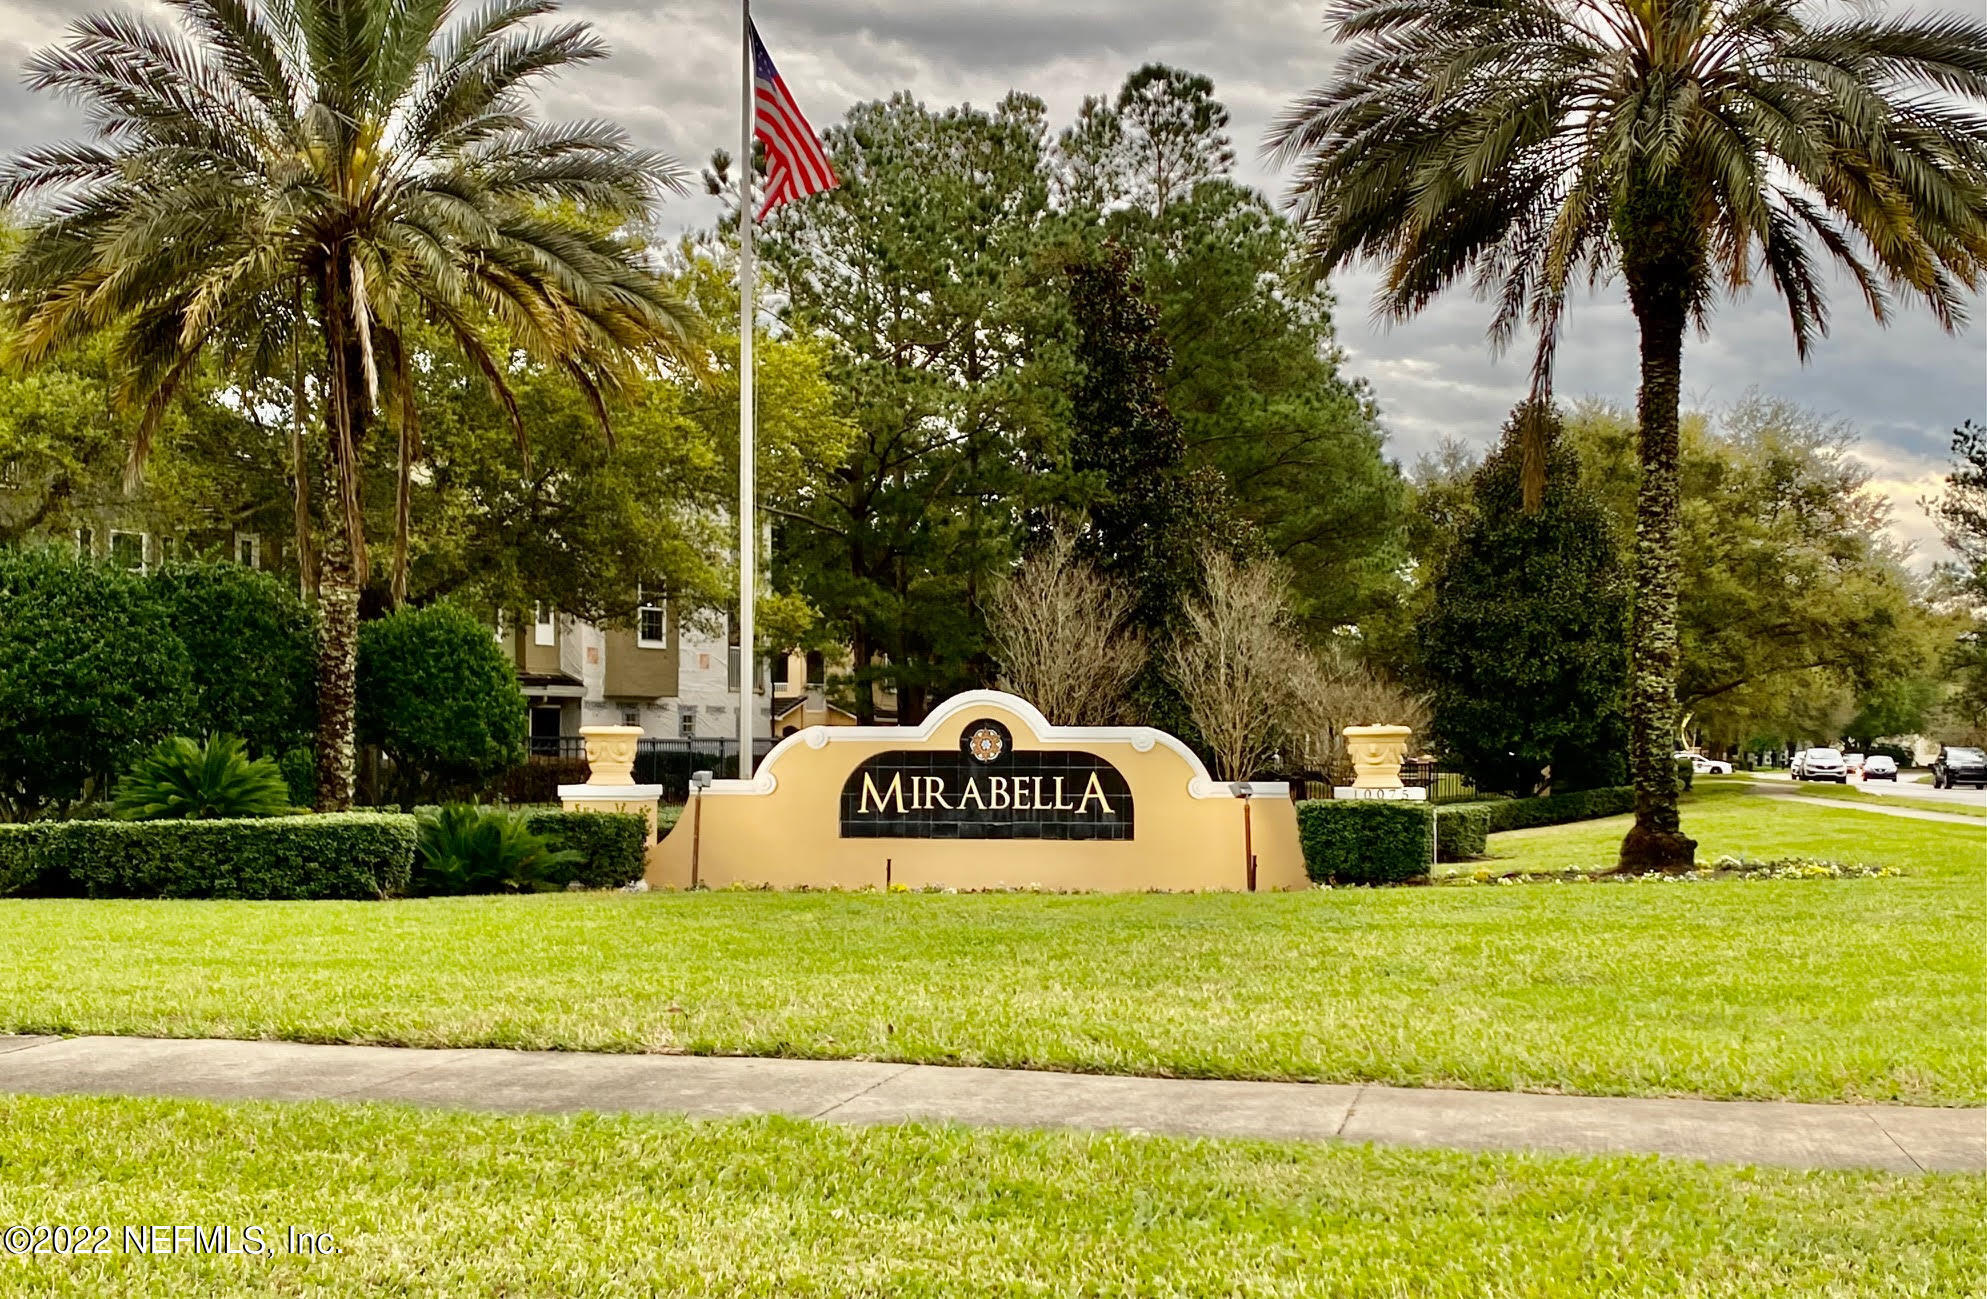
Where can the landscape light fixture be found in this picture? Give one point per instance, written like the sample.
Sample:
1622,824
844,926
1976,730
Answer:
699,782
1245,791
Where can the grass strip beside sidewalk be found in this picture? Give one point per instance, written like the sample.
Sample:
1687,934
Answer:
452,1203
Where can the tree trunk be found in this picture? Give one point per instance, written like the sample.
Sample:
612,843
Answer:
341,562
1657,285
337,669
865,691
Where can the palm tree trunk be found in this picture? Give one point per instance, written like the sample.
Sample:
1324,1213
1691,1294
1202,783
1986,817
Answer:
341,561
1657,841
337,668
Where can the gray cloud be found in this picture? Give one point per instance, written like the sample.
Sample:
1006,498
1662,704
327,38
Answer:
673,81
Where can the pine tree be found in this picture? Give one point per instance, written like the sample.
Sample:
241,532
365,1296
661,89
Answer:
1151,514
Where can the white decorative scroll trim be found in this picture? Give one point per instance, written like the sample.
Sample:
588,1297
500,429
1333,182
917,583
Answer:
1141,738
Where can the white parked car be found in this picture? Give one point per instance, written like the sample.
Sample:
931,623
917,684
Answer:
1821,764
1880,766
1704,766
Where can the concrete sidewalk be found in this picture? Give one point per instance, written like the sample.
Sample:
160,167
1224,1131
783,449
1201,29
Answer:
1897,1138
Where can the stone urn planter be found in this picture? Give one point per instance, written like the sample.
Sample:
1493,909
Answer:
610,754
1376,755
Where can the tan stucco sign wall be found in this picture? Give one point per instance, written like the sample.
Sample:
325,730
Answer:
984,794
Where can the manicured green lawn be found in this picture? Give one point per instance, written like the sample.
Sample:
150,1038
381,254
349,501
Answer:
1734,817
458,1204
1861,796
1855,989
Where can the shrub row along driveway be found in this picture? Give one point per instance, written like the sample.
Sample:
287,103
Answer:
1831,990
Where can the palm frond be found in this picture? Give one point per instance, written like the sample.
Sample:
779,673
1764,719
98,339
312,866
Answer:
1498,140
280,184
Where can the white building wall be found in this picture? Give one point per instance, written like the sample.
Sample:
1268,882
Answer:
702,694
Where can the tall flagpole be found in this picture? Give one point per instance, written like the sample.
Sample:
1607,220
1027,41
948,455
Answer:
748,512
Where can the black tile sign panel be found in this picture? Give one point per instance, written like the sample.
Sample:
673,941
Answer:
987,790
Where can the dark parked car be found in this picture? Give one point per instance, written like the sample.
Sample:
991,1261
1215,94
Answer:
1959,767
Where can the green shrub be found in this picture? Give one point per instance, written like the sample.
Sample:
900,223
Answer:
23,863
666,818
91,675
611,847
299,767
467,849
1364,841
1463,831
437,695
1559,809
208,781
340,855
252,647
1686,772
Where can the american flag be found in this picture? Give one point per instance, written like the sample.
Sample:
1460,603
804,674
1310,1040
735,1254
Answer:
796,164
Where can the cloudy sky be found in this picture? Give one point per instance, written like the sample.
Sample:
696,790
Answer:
673,81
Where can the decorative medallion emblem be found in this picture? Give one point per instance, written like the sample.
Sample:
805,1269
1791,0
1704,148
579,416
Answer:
985,742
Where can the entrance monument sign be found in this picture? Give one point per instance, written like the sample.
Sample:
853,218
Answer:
984,794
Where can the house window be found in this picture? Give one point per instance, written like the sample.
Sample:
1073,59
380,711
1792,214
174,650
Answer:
127,550
10,472
631,715
651,621
731,653
86,542
543,632
686,723
248,550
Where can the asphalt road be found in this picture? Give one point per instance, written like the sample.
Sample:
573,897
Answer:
1903,786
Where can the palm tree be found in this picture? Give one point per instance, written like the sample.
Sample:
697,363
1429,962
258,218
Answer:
301,185
1693,146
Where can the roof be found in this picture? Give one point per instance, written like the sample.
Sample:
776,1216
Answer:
782,707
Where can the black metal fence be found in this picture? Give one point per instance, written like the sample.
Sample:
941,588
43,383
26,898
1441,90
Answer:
1426,775
668,763
664,762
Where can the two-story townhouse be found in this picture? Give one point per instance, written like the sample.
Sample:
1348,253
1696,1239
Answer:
802,696
661,672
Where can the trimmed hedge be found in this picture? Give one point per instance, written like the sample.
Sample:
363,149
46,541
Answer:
1463,831
1363,841
614,846
21,859
338,855
1558,809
